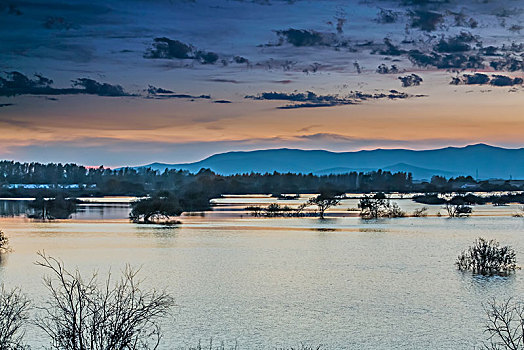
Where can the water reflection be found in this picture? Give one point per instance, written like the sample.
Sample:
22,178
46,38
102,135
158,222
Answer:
485,284
12,208
85,211
270,281
3,259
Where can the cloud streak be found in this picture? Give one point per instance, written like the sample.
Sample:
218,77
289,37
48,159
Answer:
17,83
312,100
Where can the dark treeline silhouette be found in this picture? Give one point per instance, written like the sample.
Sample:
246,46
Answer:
74,180
71,178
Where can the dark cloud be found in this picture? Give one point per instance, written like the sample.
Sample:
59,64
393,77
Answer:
311,100
240,60
11,9
302,37
425,20
174,49
508,63
6,104
446,61
387,16
461,20
384,69
411,80
160,93
458,43
58,23
92,87
502,80
482,79
16,83
167,48
217,80
222,101
390,49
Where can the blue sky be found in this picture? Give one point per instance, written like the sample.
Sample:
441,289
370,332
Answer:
135,82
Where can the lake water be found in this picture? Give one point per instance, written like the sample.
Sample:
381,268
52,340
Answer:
262,283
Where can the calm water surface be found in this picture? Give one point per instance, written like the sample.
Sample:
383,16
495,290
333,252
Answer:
265,283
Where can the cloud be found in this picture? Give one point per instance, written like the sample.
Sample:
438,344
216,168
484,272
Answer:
6,104
311,100
218,80
446,61
410,80
482,79
384,69
59,23
501,80
16,83
302,37
458,43
387,16
390,49
174,49
425,20
508,63
160,93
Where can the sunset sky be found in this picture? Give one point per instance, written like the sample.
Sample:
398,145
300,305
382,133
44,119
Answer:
203,85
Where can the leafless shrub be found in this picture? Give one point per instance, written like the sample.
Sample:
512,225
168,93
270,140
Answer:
13,315
421,212
505,325
83,315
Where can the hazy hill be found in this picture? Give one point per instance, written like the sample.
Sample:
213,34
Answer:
489,161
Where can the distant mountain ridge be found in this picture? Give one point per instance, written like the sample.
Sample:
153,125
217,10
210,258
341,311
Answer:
488,161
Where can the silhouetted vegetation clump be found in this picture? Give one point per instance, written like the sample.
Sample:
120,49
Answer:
470,199
160,206
487,258
379,206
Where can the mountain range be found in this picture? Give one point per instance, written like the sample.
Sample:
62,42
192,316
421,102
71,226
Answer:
480,160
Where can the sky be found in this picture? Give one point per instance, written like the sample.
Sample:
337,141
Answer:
133,82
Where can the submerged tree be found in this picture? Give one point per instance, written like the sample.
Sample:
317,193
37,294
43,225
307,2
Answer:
162,205
457,207
14,309
325,200
83,315
505,325
379,206
487,258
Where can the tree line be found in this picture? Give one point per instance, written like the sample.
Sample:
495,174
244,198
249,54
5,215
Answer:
76,180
